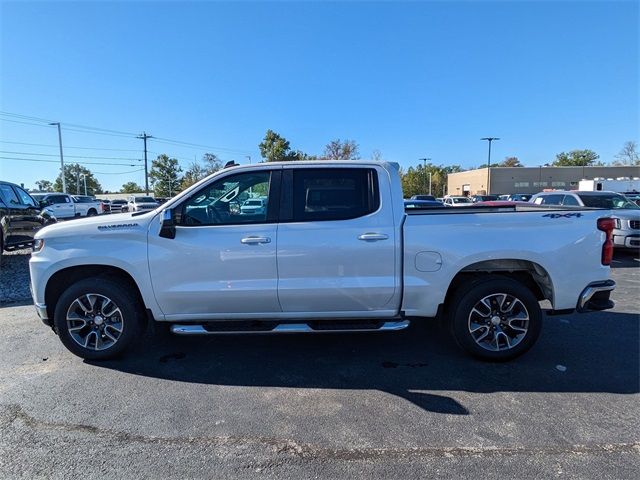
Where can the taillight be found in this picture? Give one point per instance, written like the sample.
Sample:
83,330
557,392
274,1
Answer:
102,206
607,225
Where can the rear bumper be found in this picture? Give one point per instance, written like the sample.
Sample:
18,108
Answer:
595,297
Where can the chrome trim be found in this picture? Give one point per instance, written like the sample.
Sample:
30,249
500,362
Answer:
591,290
287,328
41,308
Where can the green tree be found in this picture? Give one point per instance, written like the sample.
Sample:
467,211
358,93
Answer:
415,181
576,158
511,162
44,186
275,148
211,163
341,150
165,176
73,175
131,187
628,155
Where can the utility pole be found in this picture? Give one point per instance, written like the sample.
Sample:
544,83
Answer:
144,137
249,157
64,180
424,161
84,179
77,179
489,139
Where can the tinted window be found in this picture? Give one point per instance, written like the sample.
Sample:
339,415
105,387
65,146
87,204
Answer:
53,199
552,199
612,200
570,200
144,200
25,198
8,195
333,193
220,202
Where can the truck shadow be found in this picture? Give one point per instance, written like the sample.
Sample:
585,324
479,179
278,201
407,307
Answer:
626,259
578,353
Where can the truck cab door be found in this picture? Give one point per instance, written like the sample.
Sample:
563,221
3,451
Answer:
222,262
22,221
337,243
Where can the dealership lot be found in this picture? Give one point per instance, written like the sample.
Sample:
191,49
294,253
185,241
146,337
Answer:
392,405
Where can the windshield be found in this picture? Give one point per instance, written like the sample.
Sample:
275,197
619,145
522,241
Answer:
253,203
614,201
144,200
461,200
38,196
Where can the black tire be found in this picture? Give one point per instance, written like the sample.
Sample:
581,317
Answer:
92,213
500,325
130,318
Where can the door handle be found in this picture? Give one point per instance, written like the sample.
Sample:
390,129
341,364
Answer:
255,240
372,237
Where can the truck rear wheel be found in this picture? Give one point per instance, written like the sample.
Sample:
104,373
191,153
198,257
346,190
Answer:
495,318
97,319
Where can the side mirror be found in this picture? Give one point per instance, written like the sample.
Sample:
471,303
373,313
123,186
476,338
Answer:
168,225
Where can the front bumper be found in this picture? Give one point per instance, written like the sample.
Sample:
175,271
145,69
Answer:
626,241
595,297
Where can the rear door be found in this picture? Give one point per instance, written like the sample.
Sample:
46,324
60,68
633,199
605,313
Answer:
336,244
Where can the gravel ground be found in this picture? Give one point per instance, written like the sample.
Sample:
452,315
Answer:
14,277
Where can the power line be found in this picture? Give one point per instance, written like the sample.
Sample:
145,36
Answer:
77,148
118,173
80,163
24,123
70,156
196,145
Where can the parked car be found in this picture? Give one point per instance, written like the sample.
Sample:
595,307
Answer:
626,213
457,201
503,197
423,197
117,205
63,206
86,199
140,204
20,217
409,204
483,198
106,205
519,197
343,257
254,206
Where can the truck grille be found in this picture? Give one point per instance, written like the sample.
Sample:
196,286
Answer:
635,224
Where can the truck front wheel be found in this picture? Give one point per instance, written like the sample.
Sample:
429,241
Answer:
495,318
97,319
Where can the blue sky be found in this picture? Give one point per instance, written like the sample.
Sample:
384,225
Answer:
413,80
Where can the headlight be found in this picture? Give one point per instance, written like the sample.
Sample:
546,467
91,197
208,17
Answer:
38,244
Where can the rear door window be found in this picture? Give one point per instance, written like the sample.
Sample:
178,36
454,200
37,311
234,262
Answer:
334,193
570,201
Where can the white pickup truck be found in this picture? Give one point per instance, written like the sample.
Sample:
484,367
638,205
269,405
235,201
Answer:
334,250
63,206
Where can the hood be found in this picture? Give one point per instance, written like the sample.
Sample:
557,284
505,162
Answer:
98,225
626,214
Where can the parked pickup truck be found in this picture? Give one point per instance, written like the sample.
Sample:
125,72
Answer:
333,251
62,206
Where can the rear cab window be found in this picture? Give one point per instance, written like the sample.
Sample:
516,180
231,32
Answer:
326,194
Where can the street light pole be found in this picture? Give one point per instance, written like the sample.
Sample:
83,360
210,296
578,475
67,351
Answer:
144,137
489,139
424,169
64,180
84,180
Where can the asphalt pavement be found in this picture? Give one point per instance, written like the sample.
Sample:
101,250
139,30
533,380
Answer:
386,405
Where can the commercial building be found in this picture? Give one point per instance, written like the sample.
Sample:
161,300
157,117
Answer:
506,180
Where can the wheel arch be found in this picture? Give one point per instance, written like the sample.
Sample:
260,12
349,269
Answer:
527,272
63,279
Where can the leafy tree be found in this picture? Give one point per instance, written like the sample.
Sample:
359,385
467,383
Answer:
131,187
415,180
511,162
73,173
211,163
576,158
44,186
275,148
165,176
628,155
341,150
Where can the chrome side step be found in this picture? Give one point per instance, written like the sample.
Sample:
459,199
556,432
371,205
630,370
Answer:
311,327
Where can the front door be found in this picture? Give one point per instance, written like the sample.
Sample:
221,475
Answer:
336,249
222,261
